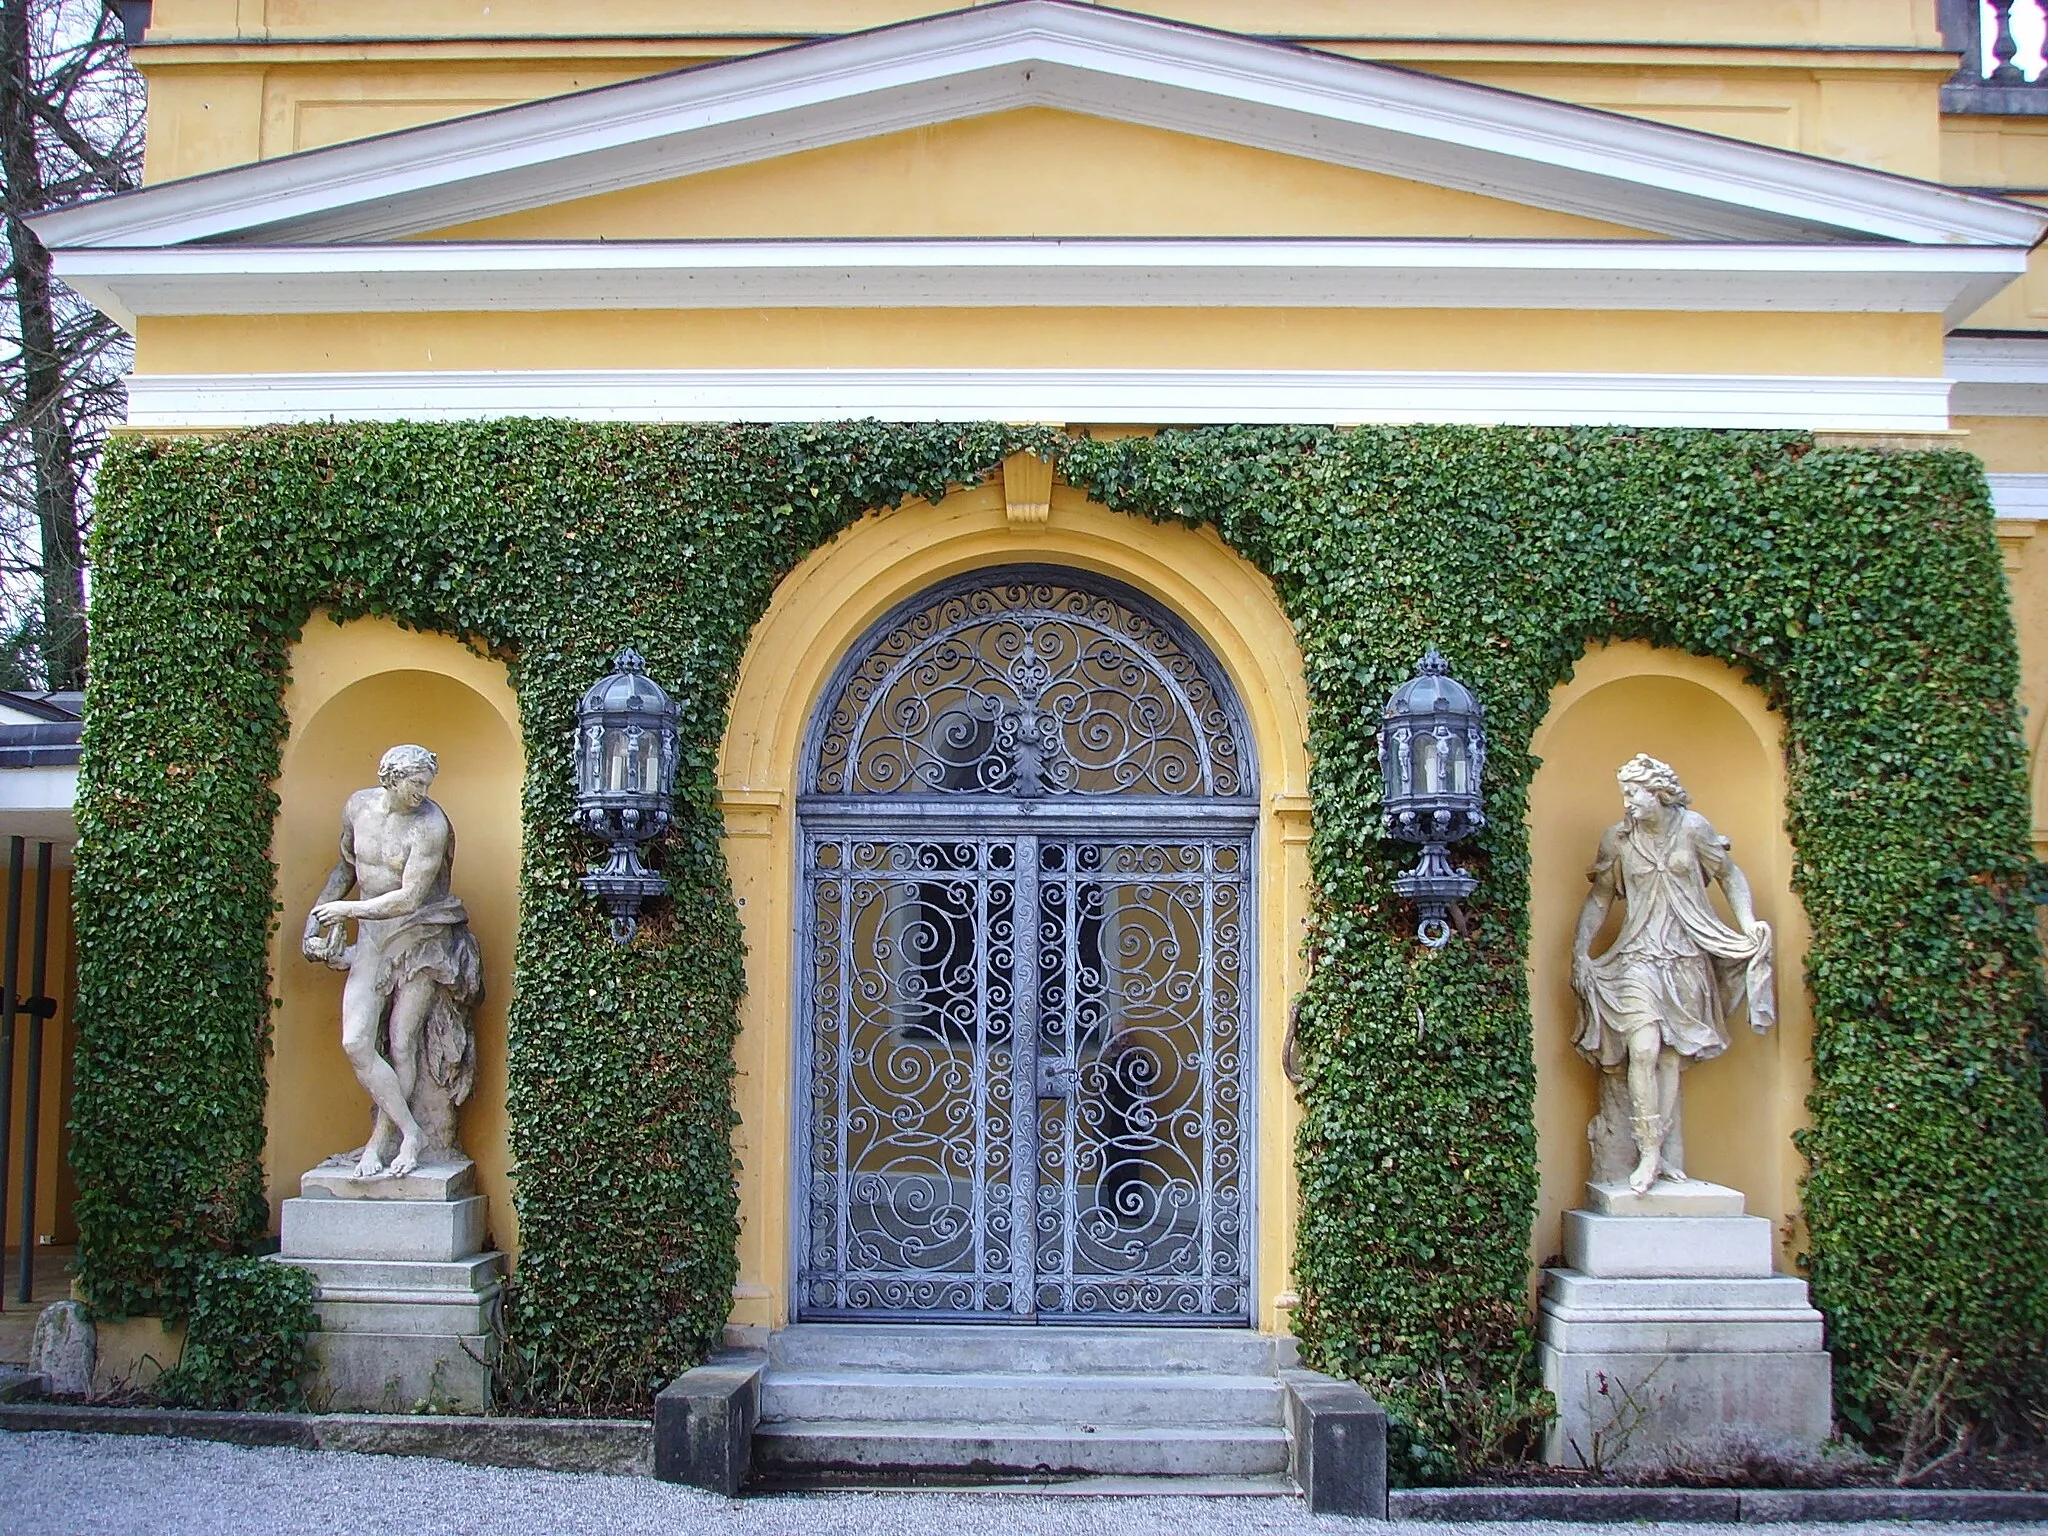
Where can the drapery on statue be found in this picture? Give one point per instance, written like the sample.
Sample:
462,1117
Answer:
1658,999
414,972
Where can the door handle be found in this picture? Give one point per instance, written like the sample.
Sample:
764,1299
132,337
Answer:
1057,1078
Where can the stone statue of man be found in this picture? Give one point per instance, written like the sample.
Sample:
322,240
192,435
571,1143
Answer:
413,973
1658,1000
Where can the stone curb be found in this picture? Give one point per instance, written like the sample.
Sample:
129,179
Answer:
1716,1506
617,1446
625,1447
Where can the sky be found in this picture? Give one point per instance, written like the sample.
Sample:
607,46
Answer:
2027,29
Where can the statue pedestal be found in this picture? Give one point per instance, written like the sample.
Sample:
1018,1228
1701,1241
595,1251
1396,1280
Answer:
1667,1340
408,1299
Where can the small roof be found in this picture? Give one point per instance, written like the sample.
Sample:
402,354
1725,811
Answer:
1049,53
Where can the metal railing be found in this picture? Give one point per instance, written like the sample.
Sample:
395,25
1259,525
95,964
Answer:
38,1007
2000,84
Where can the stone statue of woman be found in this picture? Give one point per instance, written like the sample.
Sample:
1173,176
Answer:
414,973
1659,999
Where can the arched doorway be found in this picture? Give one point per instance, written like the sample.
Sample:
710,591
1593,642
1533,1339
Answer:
1026,817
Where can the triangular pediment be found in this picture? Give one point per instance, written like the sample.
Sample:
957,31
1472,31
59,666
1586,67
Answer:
1018,174
1061,57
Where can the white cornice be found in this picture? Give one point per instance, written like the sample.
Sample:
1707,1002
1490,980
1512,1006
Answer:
1049,53
1462,274
195,401
2019,498
1998,375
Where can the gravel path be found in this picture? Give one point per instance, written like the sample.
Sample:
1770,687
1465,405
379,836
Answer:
61,1484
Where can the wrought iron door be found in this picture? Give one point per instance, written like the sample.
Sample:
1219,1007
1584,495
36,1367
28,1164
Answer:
1024,999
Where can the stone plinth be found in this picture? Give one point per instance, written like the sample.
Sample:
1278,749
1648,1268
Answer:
408,1299
1667,1340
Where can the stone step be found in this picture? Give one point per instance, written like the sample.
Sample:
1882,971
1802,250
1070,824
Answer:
815,1445
1013,1397
1039,1485
1041,1351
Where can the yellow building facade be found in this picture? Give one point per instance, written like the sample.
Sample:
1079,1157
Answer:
1744,215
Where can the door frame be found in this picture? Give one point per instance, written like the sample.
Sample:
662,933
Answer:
909,817
815,616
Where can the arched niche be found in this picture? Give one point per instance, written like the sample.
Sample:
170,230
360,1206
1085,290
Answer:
817,615
356,689
1741,1109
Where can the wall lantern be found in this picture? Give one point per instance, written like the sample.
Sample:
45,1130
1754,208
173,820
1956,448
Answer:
626,749
1432,752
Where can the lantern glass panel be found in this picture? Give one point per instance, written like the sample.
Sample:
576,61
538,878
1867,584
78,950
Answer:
1460,775
618,755
1429,771
648,779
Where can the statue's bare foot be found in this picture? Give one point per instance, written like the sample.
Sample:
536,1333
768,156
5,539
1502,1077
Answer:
1645,1174
370,1165
408,1158
1673,1173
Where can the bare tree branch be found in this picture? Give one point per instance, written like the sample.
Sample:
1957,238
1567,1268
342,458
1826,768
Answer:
71,121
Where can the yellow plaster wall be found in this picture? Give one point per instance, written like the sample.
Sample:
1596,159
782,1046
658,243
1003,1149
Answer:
204,116
2026,573
2007,444
1885,23
2007,155
357,689
1994,153
941,181
2019,445
1427,340
55,1188
237,80
818,613
1741,1108
1884,118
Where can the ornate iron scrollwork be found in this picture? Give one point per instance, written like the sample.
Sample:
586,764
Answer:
1028,876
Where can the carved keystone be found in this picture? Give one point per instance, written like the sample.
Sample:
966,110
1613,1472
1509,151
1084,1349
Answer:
1027,490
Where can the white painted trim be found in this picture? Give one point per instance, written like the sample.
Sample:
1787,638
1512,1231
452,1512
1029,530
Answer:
38,789
1998,375
175,401
1462,274
2023,498
1074,57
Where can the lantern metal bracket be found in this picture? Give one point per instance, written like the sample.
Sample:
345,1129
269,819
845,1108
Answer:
1435,885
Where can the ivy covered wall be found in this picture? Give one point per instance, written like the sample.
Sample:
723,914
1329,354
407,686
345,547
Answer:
1862,591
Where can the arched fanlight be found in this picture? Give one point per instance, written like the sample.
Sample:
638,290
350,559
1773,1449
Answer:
1432,744
626,751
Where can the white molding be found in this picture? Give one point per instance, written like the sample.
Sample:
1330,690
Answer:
1461,274
45,788
2022,498
1998,375
198,401
1074,57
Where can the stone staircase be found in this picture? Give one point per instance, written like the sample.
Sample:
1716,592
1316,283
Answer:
849,1402
1070,1410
